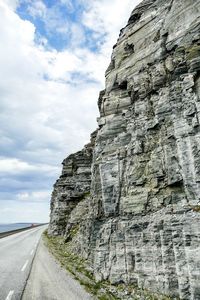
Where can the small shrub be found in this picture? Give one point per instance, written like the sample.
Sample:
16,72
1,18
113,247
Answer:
196,208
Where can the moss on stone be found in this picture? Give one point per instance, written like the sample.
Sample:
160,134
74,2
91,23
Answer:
193,52
72,234
180,50
62,219
85,197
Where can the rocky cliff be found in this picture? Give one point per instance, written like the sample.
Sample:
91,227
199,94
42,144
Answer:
71,189
140,225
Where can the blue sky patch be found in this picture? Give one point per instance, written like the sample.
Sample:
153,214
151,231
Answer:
60,24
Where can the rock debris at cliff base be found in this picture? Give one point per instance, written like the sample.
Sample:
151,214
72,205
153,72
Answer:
129,202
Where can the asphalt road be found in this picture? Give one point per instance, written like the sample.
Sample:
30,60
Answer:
16,255
48,281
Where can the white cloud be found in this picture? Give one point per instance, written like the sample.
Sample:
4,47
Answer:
16,166
68,3
28,212
25,30
63,30
51,16
77,35
35,196
12,3
37,9
108,17
44,114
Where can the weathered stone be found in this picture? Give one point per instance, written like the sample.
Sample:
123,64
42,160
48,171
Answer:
140,225
71,188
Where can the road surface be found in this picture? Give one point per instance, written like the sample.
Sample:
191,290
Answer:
16,255
48,281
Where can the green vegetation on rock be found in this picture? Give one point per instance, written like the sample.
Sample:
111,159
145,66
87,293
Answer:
193,52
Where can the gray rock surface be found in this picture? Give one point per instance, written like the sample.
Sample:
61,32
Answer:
71,188
141,225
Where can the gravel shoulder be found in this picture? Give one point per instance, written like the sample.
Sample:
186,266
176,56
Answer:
49,281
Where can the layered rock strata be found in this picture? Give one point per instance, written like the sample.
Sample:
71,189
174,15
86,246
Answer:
142,221
72,188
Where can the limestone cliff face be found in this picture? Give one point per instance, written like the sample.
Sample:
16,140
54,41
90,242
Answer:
141,225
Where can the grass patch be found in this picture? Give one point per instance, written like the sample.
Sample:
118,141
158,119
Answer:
85,197
193,52
72,234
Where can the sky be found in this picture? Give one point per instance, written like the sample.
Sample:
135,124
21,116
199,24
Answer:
53,58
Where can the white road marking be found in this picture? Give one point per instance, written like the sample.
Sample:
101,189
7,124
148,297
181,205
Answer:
24,266
31,252
9,295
